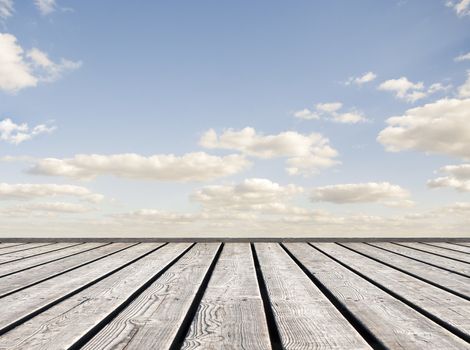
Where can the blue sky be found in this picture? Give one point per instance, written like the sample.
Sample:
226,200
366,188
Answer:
184,118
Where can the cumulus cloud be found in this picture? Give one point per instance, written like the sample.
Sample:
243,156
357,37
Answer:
371,192
464,89
46,7
458,177
45,209
19,70
441,127
307,154
198,166
34,191
6,8
331,112
17,133
461,7
366,78
404,89
463,57
306,114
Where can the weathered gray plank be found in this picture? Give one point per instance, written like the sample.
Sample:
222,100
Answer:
444,278
17,306
449,308
445,263
45,258
23,248
152,320
231,314
31,253
63,325
446,253
305,317
19,280
10,245
393,323
458,247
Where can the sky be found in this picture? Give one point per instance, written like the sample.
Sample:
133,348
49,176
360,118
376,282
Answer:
234,119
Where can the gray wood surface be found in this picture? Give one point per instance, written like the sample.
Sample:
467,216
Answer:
458,247
438,251
45,258
63,325
439,276
19,305
19,280
231,314
31,253
445,306
26,248
152,320
393,323
449,264
10,245
305,317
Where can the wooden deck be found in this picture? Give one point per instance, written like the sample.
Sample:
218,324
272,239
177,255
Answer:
236,295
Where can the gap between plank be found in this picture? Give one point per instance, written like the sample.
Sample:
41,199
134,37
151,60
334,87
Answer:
415,307
97,328
438,246
185,325
437,254
22,250
274,336
362,329
72,293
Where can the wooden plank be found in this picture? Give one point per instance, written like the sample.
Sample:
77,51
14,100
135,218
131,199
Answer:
444,278
23,247
231,313
305,317
63,325
445,253
446,307
10,245
26,278
152,320
45,258
12,257
16,307
386,317
459,247
435,260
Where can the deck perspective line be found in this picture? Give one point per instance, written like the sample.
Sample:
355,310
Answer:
22,250
417,308
38,254
432,253
76,291
438,246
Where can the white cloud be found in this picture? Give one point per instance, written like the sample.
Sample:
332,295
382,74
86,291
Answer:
461,7
46,7
366,78
463,57
464,89
197,166
16,133
404,89
306,114
45,209
306,154
19,70
331,112
458,177
251,194
384,192
6,8
441,127
329,107
33,191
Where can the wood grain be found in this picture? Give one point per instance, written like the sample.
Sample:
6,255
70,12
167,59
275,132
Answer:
445,306
19,305
445,263
449,280
231,315
15,281
393,323
305,317
446,253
